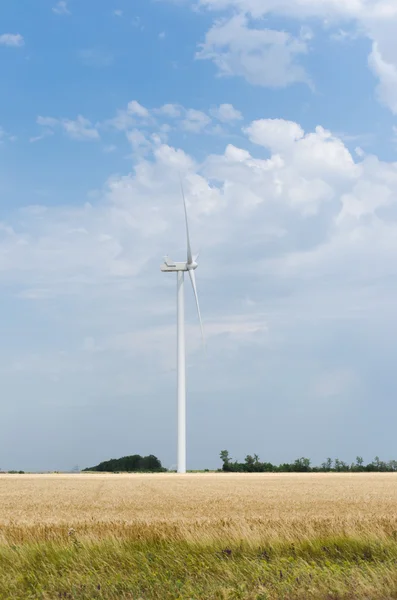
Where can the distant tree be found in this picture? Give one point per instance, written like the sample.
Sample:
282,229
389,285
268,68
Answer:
226,460
327,465
150,463
225,457
129,464
250,463
302,465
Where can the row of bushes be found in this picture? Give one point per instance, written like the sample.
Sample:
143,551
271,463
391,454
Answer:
252,464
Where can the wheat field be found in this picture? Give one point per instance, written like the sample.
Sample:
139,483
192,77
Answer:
197,536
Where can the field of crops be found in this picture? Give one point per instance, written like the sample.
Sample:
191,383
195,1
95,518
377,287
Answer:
198,536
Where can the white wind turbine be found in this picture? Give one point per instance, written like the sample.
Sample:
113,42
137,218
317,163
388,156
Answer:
180,268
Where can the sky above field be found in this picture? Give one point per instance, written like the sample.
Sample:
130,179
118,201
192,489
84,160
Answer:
280,115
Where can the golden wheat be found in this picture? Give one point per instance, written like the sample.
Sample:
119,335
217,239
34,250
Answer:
198,507
212,537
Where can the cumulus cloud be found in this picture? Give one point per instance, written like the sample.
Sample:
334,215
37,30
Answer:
262,56
313,152
387,75
61,8
139,141
173,111
129,117
78,129
253,52
307,8
306,175
137,109
11,39
195,121
274,133
45,133
189,119
170,117
226,113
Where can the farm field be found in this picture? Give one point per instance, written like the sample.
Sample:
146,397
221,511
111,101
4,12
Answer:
198,536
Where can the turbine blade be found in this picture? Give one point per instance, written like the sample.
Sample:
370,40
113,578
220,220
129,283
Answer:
189,250
193,280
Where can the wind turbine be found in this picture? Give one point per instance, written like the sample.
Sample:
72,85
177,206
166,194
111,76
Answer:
180,268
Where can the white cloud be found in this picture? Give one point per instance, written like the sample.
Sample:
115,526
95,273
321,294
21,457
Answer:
237,49
226,113
44,134
262,56
122,121
387,74
78,129
61,8
274,133
5,136
158,119
47,121
343,35
365,199
305,172
11,39
110,148
137,109
118,12
325,9
139,141
173,111
129,117
314,152
195,121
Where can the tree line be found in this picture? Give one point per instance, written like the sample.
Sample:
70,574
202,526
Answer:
130,464
252,464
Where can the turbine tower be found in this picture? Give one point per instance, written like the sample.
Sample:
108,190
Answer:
180,268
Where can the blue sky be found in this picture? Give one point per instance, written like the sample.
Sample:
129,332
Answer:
281,117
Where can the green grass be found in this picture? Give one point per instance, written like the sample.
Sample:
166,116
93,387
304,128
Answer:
338,568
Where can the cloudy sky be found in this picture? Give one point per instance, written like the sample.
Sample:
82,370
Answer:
281,116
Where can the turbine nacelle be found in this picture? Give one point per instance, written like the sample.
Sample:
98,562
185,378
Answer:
169,266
